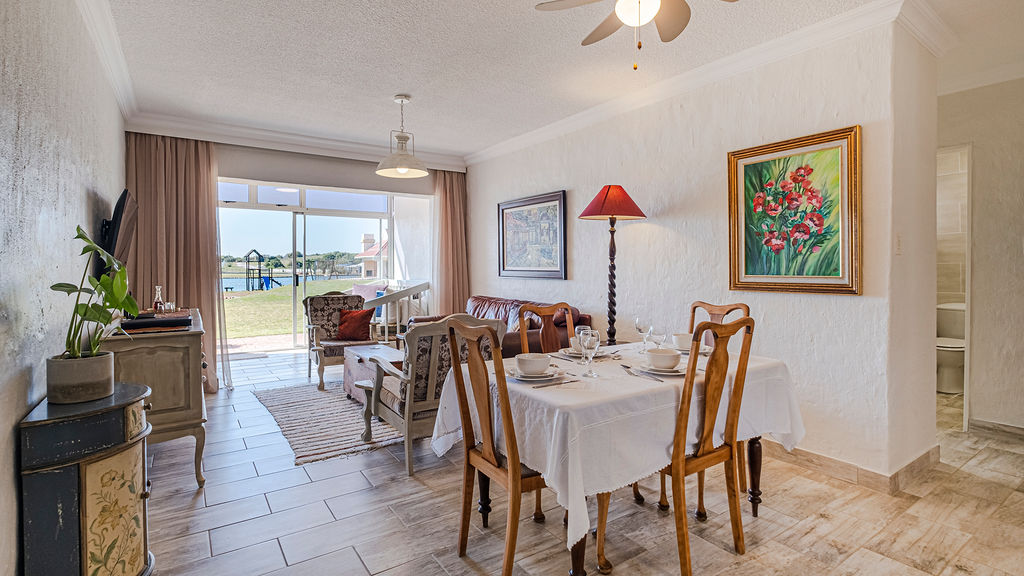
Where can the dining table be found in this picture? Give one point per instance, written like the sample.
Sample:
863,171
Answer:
592,435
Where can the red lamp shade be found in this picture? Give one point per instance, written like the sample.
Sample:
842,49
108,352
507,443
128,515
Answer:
612,202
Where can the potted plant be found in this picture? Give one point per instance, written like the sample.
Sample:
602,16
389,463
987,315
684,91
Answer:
83,372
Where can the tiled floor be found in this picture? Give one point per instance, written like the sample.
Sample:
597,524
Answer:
258,514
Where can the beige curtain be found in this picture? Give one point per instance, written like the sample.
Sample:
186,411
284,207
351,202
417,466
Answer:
453,258
174,181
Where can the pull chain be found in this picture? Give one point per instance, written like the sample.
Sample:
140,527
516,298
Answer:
636,38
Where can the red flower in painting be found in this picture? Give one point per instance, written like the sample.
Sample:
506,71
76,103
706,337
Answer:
769,184
806,184
793,200
786,185
814,199
774,208
801,232
815,221
808,170
774,242
796,178
758,202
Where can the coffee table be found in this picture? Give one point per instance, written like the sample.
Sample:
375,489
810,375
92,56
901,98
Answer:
358,366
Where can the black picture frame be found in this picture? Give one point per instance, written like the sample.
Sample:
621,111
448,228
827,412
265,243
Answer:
537,231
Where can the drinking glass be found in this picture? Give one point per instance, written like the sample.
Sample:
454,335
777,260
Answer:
658,335
590,341
643,327
579,330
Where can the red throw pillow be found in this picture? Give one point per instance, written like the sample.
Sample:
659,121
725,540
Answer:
354,325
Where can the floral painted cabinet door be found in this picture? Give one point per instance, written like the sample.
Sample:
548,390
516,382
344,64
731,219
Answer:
114,514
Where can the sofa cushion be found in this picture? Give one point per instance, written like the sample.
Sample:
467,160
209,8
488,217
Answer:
322,311
368,291
391,395
334,348
354,324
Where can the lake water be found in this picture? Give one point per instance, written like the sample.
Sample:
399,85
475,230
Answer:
238,284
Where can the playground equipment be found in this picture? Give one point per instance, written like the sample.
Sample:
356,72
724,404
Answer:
255,279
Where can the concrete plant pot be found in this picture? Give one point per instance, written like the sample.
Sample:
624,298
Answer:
73,380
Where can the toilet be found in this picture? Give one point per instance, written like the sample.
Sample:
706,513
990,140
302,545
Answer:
949,347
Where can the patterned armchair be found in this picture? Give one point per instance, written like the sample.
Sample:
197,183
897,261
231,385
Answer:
322,316
408,399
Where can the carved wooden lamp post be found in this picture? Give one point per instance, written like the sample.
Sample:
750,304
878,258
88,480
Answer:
612,203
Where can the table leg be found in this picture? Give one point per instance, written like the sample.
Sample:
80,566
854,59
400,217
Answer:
200,434
754,465
578,553
485,496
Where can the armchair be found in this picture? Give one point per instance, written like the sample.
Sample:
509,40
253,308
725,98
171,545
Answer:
322,318
408,398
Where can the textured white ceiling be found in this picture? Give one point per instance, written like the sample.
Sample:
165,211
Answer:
480,71
991,44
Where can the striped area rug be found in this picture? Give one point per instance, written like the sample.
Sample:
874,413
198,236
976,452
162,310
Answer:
321,425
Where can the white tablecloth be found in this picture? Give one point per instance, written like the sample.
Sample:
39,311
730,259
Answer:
600,434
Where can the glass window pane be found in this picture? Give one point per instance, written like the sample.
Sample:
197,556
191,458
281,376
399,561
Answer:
413,237
232,192
332,200
277,195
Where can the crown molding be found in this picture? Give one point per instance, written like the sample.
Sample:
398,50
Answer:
915,16
980,78
99,21
918,18
256,137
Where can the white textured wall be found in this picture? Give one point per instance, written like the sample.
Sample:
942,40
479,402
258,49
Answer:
61,164
671,158
992,120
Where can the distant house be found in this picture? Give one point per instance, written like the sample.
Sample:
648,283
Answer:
373,255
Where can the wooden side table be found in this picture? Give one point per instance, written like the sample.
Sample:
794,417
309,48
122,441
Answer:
358,366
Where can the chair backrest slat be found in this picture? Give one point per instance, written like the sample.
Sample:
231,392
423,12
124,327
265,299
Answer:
474,338
716,313
549,341
715,376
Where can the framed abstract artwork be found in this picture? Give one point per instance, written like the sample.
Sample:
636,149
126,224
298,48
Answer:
795,215
531,237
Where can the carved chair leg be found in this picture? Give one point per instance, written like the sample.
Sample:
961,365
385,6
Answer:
663,502
637,496
702,514
603,565
367,408
538,513
320,371
511,532
682,534
735,518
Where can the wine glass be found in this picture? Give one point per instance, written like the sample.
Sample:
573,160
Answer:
577,349
643,327
658,335
590,341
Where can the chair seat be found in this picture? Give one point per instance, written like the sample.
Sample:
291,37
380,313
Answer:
390,396
524,470
336,348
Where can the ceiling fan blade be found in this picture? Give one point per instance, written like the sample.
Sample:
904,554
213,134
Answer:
672,19
563,4
604,29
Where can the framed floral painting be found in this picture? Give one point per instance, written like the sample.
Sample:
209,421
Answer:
795,215
531,237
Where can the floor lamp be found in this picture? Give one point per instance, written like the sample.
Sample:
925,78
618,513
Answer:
612,203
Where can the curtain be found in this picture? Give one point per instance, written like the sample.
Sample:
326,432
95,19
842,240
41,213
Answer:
174,181
453,258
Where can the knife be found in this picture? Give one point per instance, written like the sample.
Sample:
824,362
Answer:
631,372
554,383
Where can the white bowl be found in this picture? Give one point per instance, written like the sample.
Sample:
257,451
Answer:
682,341
531,364
663,359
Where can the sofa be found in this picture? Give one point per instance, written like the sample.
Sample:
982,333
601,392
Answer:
507,310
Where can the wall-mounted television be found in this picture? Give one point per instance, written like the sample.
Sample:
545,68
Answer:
117,233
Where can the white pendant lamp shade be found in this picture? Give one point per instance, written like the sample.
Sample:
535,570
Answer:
636,13
402,163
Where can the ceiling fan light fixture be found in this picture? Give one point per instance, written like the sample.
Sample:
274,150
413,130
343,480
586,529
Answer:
636,13
402,163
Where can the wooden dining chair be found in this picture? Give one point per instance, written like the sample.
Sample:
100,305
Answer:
549,344
716,313
482,453
706,453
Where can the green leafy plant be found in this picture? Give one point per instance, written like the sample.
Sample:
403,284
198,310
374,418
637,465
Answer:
99,307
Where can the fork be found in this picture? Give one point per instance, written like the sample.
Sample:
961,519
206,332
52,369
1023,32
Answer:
629,370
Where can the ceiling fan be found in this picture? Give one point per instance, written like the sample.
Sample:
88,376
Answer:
670,16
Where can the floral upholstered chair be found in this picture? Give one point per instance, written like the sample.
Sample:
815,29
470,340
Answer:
408,399
323,313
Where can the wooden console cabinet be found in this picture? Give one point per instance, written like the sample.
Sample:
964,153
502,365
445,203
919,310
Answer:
171,364
83,486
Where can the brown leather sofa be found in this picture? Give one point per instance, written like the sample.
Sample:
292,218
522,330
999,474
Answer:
507,310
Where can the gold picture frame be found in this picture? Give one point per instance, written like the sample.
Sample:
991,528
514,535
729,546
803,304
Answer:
795,215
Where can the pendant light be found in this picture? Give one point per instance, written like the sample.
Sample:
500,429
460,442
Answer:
402,163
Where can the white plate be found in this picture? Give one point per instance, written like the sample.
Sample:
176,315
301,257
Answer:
662,371
574,354
549,375
705,350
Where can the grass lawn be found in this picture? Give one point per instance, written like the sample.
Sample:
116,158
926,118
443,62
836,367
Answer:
268,312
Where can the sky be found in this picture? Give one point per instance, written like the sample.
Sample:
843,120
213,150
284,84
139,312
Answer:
270,232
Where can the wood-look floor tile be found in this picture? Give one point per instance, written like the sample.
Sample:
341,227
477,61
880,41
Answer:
174,552
927,481
354,463
232,433
923,544
966,567
981,483
252,486
998,460
269,527
864,562
339,534
172,526
827,537
316,491
264,440
247,455
275,464
375,498
801,497
774,559
422,566
343,562
252,561
1011,511
222,447
400,546
998,545
961,511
